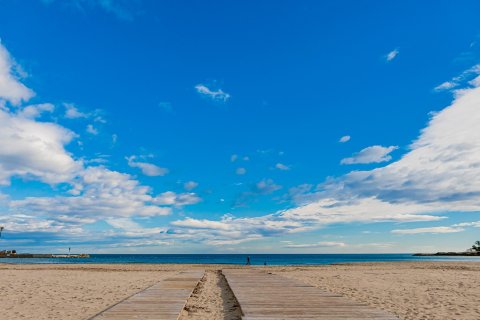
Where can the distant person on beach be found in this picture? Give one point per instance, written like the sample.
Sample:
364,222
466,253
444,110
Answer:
248,260
264,263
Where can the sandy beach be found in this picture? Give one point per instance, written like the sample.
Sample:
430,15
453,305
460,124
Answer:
411,290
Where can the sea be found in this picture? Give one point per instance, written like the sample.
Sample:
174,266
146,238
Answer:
237,259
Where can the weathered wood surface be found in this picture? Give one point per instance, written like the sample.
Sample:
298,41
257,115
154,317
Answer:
264,296
162,301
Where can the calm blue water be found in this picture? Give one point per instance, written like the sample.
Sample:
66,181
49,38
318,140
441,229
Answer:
256,259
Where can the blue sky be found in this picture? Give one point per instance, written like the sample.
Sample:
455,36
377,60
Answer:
185,126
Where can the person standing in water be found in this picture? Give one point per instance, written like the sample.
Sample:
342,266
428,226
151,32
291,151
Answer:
248,260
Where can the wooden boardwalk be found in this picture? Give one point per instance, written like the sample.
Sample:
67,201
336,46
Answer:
162,301
264,296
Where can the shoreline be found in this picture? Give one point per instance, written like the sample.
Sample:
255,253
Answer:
234,265
271,260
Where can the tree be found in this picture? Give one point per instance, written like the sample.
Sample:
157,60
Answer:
476,246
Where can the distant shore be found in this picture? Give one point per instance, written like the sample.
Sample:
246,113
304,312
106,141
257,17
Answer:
462,254
42,256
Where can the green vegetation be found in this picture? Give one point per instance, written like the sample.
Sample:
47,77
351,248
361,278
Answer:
476,246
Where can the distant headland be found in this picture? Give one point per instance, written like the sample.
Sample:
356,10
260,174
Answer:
471,252
14,254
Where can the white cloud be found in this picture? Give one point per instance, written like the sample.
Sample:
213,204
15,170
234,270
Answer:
475,224
261,188
97,193
322,244
445,86
230,230
266,186
440,174
344,139
281,166
215,95
459,227
32,149
373,154
141,243
433,230
148,169
391,55
21,223
176,199
11,89
71,112
336,210
241,171
190,185
235,157
441,169
91,129
35,110
458,80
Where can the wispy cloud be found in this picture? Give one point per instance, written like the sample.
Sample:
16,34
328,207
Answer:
241,171
190,185
36,110
215,95
282,167
459,227
433,230
373,154
148,169
466,75
91,129
176,199
266,186
72,112
121,9
235,157
344,139
391,55
474,224
322,244
261,188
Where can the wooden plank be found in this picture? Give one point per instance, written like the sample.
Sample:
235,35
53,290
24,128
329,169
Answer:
266,296
162,301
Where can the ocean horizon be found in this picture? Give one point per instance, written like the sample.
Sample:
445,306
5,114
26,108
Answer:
237,259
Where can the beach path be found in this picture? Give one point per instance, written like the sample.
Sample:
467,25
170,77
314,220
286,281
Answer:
164,300
266,296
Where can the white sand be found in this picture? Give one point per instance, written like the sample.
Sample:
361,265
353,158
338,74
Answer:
412,290
212,299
